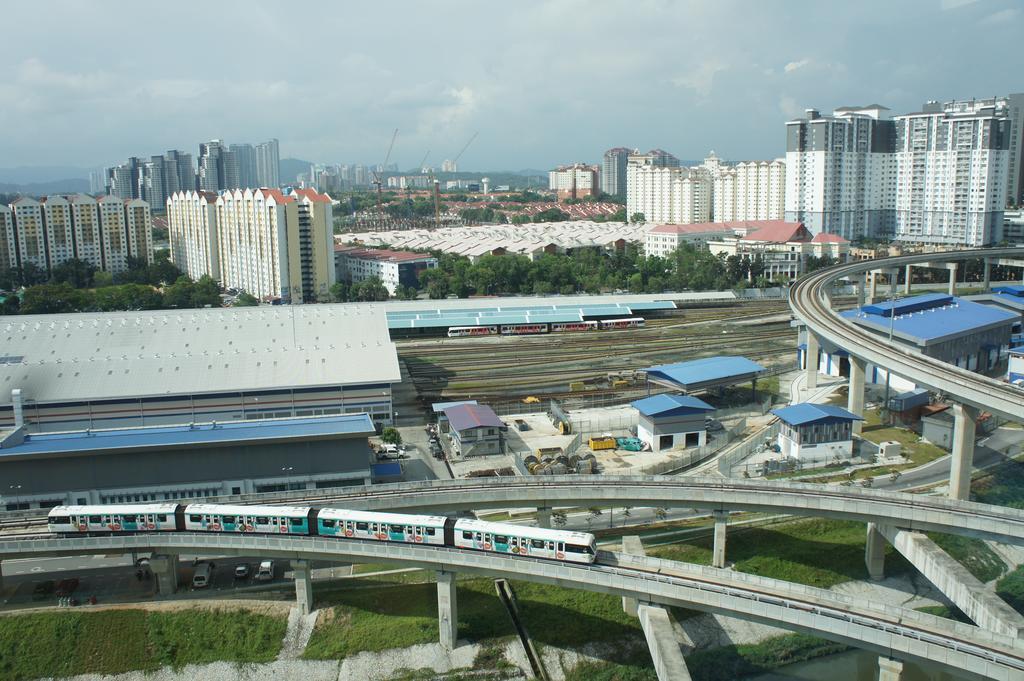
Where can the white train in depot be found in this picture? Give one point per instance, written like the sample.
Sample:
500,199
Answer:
545,327
337,523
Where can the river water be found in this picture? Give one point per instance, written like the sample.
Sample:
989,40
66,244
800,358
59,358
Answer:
856,665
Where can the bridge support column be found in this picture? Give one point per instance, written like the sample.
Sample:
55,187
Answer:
165,567
987,282
634,547
811,359
906,284
874,553
855,403
544,516
872,288
889,669
718,551
965,419
862,289
952,278
447,610
303,586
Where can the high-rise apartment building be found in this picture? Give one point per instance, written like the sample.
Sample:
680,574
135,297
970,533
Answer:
179,164
613,171
840,173
937,177
749,190
575,181
449,166
153,180
268,165
271,245
123,181
218,167
666,194
192,233
951,176
55,229
1013,106
245,156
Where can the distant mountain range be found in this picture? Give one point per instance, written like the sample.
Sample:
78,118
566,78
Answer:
68,186
289,168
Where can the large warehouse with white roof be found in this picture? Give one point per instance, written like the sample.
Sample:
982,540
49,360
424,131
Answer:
125,369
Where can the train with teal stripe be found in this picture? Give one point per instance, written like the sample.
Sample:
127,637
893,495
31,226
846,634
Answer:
336,523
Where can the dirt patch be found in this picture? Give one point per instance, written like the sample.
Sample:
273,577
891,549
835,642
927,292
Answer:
270,608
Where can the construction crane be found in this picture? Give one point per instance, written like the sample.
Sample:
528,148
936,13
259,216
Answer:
437,200
378,174
423,162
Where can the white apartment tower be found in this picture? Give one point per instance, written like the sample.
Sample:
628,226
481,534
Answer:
951,176
113,237
60,240
86,217
840,172
575,181
31,232
8,239
749,190
613,171
192,232
138,228
268,164
666,194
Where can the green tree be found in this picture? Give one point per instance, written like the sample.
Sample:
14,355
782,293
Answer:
369,290
391,436
102,278
339,292
180,293
54,298
74,271
637,217
246,300
206,292
559,518
11,304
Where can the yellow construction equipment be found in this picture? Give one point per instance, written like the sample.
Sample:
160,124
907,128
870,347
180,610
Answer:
599,443
531,400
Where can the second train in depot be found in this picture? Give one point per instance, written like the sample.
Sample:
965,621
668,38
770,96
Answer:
342,524
544,327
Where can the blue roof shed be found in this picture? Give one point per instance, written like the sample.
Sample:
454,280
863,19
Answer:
670,405
705,373
804,413
933,318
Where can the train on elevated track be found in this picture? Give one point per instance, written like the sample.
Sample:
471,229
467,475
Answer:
544,327
337,523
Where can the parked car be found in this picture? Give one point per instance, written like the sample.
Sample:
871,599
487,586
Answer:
43,589
66,587
266,571
242,571
202,575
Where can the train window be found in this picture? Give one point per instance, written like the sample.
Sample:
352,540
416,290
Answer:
576,548
500,539
94,519
537,543
362,527
297,521
162,517
106,519
467,535
129,518
397,529
228,519
478,537
327,522
59,520
430,531
261,520
195,518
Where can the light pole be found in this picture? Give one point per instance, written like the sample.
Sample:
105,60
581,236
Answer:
892,323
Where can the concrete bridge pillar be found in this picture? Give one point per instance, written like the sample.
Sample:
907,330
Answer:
862,289
952,277
874,553
872,288
987,282
811,359
165,567
718,550
855,403
889,669
965,418
447,610
544,516
634,547
303,586
906,284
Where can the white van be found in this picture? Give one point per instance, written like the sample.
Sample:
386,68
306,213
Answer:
389,452
201,577
266,571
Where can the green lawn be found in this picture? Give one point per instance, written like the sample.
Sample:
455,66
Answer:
973,554
913,447
1002,485
115,641
815,552
1011,589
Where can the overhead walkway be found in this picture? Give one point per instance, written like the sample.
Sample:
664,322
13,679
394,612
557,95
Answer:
892,631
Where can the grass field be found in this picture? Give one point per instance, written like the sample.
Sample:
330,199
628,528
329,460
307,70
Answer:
1002,486
913,447
733,662
973,554
815,552
1011,589
114,641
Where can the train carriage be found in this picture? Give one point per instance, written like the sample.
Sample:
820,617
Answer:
534,542
523,329
260,519
626,323
457,331
396,527
113,518
560,327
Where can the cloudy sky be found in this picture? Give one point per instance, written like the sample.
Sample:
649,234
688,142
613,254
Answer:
90,83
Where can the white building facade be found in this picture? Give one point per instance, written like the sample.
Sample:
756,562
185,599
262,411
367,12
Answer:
575,181
192,232
665,194
749,190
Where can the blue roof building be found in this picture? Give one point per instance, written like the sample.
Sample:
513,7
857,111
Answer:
672,421
190,461
815,432
703,374
475,430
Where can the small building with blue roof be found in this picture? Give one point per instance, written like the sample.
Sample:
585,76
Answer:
671,421
1015,368
704,374
815,431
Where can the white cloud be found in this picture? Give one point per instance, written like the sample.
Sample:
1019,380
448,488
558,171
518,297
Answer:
796,65
701,79
1001,18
